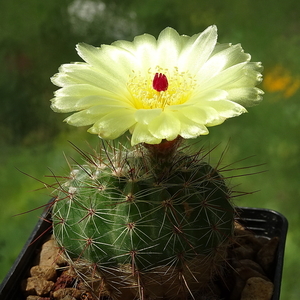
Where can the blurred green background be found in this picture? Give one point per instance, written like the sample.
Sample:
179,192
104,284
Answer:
36,37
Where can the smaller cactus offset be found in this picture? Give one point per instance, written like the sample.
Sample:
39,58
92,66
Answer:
143,229
152,221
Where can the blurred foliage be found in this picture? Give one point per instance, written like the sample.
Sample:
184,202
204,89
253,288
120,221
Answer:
36,37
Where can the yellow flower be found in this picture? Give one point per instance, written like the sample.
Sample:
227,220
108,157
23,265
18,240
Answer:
279,79
157,89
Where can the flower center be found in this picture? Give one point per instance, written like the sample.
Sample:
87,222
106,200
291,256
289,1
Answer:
160,82
160,88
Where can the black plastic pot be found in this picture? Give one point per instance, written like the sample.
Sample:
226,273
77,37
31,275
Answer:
268,223
262,222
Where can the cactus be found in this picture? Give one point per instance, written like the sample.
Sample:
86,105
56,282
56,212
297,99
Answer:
152,222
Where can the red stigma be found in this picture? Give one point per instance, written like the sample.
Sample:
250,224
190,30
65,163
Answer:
160,82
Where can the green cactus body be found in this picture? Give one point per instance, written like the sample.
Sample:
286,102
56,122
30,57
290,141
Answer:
142,230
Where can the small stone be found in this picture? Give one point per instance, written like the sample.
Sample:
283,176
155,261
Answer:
248,263
262,239
33,297
248,239
235,292
266,255
46,272
66,292
50,254
257,288
68,297
246,245
37,286
246,272
238,227
244,269
243,252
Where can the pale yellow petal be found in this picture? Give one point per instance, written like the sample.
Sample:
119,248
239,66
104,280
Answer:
82,73
126,45
70,104
242,74
220,47
207,95
141,134
165,126
188,128
109,60
78,97
227,109
169,46
79,91
145,116
222,60
202,115
114,124
92,114
145,50
112,60
246,96
197,50
249,76
223,79
82,118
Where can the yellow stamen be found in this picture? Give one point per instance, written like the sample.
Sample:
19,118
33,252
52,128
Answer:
145,96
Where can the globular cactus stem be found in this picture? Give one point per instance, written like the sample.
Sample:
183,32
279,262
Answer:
148,223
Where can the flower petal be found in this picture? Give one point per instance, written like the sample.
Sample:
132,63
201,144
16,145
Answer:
190,129
165,126
92,115
145,52
200,114
82,73
207,95
168,48
222,60
114,124
145,116
249,76
79,91
246,96
227,109
141,134
110,60
81,96
81,118
197,50
231,77
69,104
